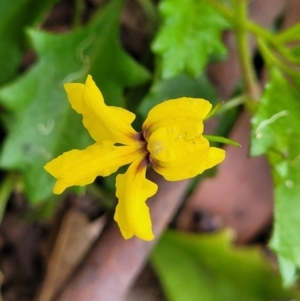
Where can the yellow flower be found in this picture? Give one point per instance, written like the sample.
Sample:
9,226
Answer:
171,141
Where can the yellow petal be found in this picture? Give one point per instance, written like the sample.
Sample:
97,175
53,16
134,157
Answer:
132,213
103,122
188,108
187,168
178,159
175,141
81,167
215,156
190,168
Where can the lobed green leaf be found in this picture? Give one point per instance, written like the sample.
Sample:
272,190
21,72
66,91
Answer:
189,36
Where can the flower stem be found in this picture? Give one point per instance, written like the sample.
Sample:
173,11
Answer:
244,53
231,104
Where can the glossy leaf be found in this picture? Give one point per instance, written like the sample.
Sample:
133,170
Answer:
41,123
206,267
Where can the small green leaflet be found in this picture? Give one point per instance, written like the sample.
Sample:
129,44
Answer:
189,36
213,138
276,132
207,267
41,124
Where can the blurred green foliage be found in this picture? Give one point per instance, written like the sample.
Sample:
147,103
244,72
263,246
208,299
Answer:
207,267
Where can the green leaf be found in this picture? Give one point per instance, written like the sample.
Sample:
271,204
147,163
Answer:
12,23
180,86
276,132
42,124
189,35
206,267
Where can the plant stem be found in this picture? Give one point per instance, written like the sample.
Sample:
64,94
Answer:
250,26
277,41
289,35
238,17
78,9
272,59
231,103
244,53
